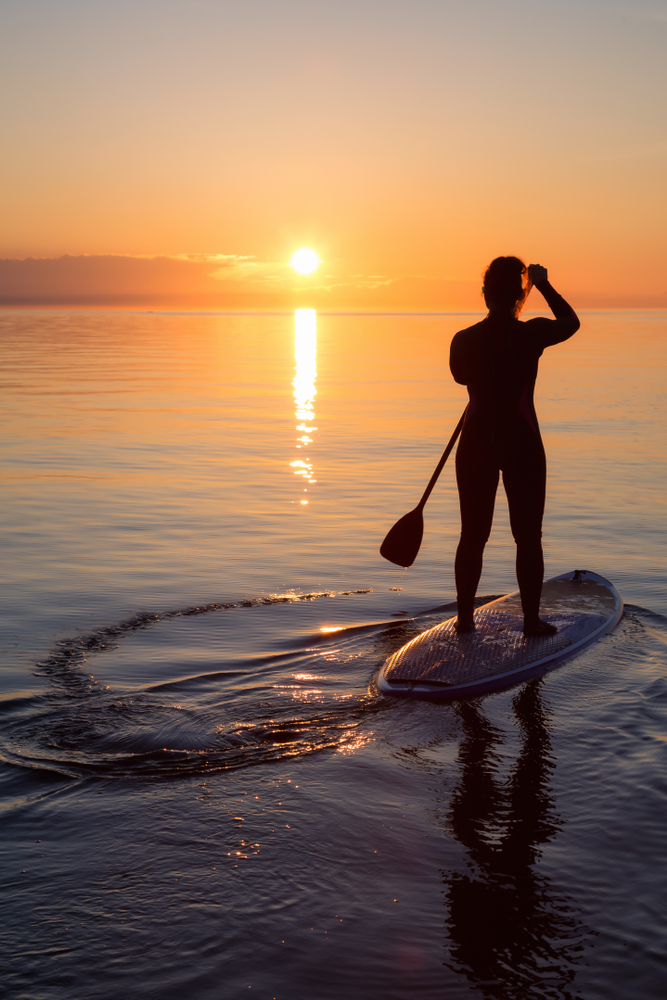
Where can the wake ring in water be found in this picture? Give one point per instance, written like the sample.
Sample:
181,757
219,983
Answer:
246,712
69,653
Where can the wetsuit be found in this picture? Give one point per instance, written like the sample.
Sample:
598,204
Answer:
497,360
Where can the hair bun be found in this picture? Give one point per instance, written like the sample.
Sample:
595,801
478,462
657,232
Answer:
510,265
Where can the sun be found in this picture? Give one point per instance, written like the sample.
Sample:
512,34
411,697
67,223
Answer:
305,261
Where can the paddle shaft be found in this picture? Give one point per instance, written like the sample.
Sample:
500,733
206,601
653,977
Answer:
441,464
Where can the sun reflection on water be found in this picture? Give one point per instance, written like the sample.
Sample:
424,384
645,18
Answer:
305,352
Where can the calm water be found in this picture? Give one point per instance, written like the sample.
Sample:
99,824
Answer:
204,796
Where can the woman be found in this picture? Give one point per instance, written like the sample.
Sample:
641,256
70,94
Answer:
497,360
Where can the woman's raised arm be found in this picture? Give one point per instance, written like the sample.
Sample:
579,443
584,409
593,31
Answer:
566,322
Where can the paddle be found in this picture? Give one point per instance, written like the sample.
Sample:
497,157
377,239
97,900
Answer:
403,540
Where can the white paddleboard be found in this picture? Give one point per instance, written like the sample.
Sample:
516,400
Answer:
441,664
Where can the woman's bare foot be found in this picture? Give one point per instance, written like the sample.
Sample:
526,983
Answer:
539,627
464,623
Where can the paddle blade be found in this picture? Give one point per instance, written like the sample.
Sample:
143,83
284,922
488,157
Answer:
402,542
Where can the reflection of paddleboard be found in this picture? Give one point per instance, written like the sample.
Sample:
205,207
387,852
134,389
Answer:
441,664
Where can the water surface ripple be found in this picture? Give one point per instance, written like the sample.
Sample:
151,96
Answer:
203,793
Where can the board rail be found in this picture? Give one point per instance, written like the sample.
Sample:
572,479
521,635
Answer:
441,664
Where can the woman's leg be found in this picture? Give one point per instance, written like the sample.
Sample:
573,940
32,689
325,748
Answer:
477,477
530,575
524,479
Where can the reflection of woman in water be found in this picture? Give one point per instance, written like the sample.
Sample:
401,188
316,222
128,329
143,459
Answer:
497,360
511,931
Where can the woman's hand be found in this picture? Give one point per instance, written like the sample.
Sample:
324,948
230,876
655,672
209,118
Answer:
537,273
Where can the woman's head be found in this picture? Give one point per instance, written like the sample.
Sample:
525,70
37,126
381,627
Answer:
506,284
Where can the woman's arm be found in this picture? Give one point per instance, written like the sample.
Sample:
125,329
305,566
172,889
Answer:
566,322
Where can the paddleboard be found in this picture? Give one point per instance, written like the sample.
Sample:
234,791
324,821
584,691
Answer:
440,664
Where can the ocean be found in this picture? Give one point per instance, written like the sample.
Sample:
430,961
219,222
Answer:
204,795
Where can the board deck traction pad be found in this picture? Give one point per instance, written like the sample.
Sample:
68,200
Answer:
581,604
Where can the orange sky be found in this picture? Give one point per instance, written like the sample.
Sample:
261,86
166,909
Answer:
408,143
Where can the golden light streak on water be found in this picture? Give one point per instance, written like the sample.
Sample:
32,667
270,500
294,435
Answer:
305,354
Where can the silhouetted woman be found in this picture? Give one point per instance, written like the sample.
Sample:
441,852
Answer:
497,360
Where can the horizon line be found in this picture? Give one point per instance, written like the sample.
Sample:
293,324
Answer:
32,307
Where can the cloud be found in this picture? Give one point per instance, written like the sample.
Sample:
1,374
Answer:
236,281
250,269
197,280
110,279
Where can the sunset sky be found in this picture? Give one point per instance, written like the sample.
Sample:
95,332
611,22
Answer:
185,148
